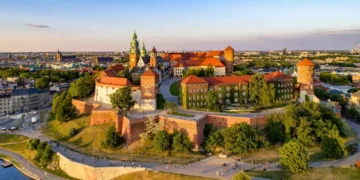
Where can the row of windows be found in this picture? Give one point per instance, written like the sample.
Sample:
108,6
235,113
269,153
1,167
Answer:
198,104
284,91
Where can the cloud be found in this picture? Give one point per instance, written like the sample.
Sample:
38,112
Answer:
37,26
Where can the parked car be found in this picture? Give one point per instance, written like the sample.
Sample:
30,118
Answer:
3,129
13,128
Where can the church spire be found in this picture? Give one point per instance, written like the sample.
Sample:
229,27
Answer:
134,45
143,50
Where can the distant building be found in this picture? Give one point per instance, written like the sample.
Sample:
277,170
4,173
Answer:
355,100
62,58
25,100
103,60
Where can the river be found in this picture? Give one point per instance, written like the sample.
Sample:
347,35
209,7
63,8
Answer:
11,173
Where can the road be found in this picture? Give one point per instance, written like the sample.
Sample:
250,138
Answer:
165,89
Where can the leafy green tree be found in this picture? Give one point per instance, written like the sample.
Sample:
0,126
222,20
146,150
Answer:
125,73
260,91
72,132
209,129
46,156
122,99
181,142
151,128
65,110
162,140
275,129
209,71
240,138
332,146
212,101
83,87
294,156
214,141
305,133
241,176
33,144
352,90
113,139
42,83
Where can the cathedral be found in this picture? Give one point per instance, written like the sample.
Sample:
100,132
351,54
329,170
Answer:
140,61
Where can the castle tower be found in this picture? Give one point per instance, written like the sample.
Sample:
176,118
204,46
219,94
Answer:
148,82
134,51
153,55
143,50
229,60
10,57
58,56
305,77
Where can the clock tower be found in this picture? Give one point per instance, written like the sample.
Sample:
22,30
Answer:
148,82
134,54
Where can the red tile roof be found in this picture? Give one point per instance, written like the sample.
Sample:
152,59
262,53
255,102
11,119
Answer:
305,62
150,72
201,62
113,70
115,81
193,80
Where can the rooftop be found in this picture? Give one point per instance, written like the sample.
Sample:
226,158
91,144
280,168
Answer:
305,62
193,80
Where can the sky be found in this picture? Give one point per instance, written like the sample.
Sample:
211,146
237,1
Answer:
175,25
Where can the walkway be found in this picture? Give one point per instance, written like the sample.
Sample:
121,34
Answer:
165,89
30,169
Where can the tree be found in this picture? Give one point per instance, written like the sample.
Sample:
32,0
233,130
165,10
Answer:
332,146
212,101
274,129
294,156
305,133
83,87
122,99
170,106
180,142
113,139
240,138
124,73
214,141
42,83
151,127
72,132
65,110
46,156
33,144
241,176
209,71
162,140
260,91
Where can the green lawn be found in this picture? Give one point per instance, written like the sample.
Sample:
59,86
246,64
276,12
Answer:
12,138
158,176
316,173
181,114
89,139
174,89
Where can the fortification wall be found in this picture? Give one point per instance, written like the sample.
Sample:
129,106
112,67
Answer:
81,171
84,107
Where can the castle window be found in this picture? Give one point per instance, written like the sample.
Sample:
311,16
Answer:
236,88
227,94
219,88
236,94
219,95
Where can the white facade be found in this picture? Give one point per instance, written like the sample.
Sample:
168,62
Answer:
5,104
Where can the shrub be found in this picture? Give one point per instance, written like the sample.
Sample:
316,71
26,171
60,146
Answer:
162,140
180,142
332,146
113,139
241,176
33,144
294,156
72,132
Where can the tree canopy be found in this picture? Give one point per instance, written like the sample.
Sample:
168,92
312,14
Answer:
42,83
83,87
294,156
260,91
122,99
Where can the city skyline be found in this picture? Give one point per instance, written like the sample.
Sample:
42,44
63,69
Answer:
41,26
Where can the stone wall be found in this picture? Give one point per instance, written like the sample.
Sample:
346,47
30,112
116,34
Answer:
84,107
81,171
103,116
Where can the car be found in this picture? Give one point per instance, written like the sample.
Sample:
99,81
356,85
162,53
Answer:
3,114
3,129
13,128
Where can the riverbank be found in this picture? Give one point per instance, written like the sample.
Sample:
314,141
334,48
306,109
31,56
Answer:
18,166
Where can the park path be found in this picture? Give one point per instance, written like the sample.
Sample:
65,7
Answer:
28,168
